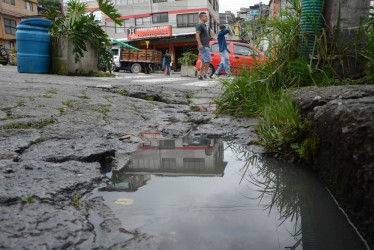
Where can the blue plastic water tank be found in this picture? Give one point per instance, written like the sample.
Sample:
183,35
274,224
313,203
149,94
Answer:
33,40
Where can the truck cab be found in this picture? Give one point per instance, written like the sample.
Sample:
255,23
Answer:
116,51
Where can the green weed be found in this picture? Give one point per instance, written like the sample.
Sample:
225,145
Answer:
10,117
135,109
52,91
282,129
41,106
38,125
31,98
75,201
149,98
69,103
20,104
122,92
104,109
39,140
27,200
104,74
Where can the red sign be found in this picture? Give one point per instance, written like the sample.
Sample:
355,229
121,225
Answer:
158,31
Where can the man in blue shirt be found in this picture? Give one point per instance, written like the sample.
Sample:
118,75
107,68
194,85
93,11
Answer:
223,51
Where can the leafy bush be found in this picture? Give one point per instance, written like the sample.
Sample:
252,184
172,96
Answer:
81,28
187,59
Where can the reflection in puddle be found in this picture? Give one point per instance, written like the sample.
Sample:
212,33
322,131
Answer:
191,193
187,156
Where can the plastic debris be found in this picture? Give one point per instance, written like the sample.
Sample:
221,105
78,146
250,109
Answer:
124,201
125,137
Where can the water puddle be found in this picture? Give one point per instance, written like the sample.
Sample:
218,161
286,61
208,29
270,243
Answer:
203,193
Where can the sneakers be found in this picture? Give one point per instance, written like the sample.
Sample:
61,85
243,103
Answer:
207,77
200,77
213,76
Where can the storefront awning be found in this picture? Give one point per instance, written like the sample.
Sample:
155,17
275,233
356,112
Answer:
152,38
124,44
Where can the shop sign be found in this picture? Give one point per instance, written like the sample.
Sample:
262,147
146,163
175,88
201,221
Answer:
158,31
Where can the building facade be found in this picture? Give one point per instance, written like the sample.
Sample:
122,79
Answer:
274,8
162,24
11,13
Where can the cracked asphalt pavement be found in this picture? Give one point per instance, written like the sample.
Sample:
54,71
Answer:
60,134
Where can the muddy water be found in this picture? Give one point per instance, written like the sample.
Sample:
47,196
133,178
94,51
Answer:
203,193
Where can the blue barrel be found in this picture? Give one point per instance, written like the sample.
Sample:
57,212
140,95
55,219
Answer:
33,39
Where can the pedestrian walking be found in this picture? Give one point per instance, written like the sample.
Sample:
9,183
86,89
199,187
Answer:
223,52
167,62
203,37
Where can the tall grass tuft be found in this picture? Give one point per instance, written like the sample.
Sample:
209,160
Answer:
264,90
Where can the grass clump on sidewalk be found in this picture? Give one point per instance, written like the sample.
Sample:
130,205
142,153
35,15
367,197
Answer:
265,90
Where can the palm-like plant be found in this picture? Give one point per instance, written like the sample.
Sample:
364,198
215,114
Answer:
82,28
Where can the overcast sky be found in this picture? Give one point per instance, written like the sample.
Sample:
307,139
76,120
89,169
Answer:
234,5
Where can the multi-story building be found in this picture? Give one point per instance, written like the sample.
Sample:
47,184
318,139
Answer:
243,13
11,13
274,8
162,24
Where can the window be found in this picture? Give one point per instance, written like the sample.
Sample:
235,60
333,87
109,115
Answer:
159,1
244,50
215,47
10,26
9,2
167,144
123,27
126,23
142,21
119,28
8,44
169,163
28,6
121,2
187,20
160,17
193,163
115,52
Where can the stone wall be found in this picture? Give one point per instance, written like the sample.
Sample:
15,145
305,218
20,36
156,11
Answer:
343,118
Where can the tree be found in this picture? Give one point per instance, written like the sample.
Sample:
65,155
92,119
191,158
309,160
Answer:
82,28
46,4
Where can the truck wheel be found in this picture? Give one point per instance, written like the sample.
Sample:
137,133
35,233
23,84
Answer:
136,68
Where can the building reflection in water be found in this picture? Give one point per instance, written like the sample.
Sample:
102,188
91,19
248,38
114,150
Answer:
187,156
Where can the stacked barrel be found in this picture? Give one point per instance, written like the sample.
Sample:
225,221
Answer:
311,24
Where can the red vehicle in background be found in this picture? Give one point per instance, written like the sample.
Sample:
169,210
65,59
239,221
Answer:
242,56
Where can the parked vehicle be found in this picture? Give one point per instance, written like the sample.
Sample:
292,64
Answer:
242,56
4,57
135,61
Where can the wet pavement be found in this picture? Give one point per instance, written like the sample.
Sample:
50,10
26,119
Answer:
143,162
200,192
60,134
